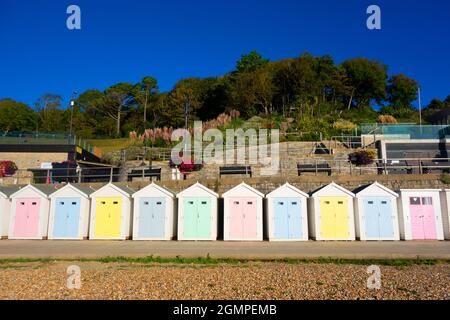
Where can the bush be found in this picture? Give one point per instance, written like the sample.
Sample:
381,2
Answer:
362,157
386,119
445,178
7,168
344,125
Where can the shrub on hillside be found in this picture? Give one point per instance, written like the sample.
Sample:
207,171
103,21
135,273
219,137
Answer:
445,178
344,125
7,168
386,119
362,157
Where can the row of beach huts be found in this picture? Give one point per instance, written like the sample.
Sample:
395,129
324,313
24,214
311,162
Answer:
116,212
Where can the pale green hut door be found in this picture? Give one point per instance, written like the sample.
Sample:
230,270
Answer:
197,217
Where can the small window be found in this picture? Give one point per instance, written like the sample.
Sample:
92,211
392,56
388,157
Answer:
146,203
327,202
61,203
340,202
281,203
414,201
190,202
34,203
115,202
383,202
427,200
103,202
370,202
22,203
294,203
74,203
203,202
158,203
250,202
236,202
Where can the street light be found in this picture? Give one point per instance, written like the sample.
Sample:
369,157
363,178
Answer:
72,105
420,107
187,105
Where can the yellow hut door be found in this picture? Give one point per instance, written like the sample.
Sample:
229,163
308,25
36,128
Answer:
334,217
342,218
108,217
327,217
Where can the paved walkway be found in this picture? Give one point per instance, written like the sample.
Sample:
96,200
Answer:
257,250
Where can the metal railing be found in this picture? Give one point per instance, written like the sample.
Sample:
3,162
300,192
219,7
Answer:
14,137
349,141
165,154
287,169
413,131
385,166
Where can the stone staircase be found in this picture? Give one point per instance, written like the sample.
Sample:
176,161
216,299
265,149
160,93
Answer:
290,154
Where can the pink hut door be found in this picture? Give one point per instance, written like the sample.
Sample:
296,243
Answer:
235,218
428,218
242,218
249,217
415,212
27,217
423,224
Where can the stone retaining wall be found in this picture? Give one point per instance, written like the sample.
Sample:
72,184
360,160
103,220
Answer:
306,183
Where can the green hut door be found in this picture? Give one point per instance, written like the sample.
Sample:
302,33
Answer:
197,217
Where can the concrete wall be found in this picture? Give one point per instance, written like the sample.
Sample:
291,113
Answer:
32,160
307,183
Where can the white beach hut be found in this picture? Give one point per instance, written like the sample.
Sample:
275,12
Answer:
330,213
5,207
243,213
420,216
287,214
111,212
29,212
445,205
154,213
197,213
69,212
376,216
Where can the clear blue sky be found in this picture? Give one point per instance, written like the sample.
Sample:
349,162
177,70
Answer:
122,41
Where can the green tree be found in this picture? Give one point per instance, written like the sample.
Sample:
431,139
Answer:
401,91
193,91
254,89
16,116
147,89
250,62
119,99
88,119
367,80
51,116
437,111
447,100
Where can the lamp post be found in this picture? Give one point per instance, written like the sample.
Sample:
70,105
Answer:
72,105
420,107
187,104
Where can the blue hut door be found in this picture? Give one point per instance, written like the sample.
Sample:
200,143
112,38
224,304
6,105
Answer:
386,221
152,213
281,218
288,221
295,218
378,217
67,217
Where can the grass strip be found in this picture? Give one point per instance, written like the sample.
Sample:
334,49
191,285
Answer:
216,261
